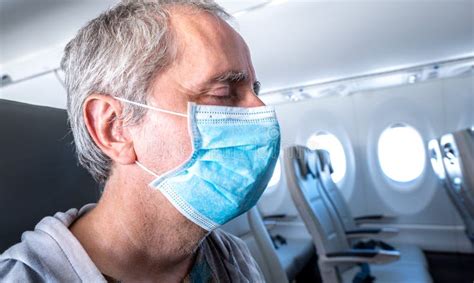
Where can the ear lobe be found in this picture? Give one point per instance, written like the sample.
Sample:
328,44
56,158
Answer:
100,115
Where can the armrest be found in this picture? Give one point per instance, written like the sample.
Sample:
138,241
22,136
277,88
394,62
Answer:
362,256
274,219
374,218
279,217
372,233
369,217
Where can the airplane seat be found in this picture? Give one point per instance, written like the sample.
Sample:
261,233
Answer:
408,253
465,143
458,161
335,196
337,261
278,265
39,171
338,199
294,254
261,250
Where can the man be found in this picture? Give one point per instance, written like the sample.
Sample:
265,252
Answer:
162,101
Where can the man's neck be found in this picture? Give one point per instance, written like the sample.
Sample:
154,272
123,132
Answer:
138,237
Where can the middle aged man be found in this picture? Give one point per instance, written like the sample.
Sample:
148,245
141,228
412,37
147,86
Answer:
162,100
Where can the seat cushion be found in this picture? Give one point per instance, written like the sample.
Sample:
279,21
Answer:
392,273
410,254
294,255
411,267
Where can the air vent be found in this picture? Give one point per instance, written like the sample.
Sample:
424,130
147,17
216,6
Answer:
6,80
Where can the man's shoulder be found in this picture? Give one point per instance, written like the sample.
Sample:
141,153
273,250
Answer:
50,253
13,270
228,254
228,240
32,259
229,244
22,262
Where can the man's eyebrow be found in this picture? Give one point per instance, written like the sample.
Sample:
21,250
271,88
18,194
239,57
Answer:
232,77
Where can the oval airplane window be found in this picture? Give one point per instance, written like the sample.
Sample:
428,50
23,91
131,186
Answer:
330,143
276,175
274,180
401,153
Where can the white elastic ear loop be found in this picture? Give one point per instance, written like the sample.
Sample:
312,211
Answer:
151,107
146,169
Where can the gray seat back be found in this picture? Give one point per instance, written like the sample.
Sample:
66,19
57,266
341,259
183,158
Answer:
437,157
313,206
276,270
458,159
334,194
465,143
39,174
250,228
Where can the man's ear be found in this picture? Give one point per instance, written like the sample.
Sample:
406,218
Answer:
100,115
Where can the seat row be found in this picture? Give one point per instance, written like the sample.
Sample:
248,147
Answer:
346,250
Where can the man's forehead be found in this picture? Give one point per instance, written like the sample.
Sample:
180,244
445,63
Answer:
185,16
191,26
210,46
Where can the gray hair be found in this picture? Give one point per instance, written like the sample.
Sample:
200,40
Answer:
119,53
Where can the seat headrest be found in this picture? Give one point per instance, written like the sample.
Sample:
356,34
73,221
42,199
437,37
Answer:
39,174
296,152
325,159
317,162
312,160
305,158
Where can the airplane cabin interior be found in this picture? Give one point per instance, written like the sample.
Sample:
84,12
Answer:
375,102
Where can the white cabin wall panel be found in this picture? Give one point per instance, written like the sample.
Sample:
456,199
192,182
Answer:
361,183
363,103
419,106
424,204
458,100
44,90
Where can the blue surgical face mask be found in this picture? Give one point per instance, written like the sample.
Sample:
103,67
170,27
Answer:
234,153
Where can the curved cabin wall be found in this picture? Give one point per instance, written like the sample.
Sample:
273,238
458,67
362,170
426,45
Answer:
425,214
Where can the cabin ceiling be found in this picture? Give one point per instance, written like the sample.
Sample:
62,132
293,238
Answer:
292,42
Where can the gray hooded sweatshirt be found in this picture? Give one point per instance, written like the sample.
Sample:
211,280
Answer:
51,253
